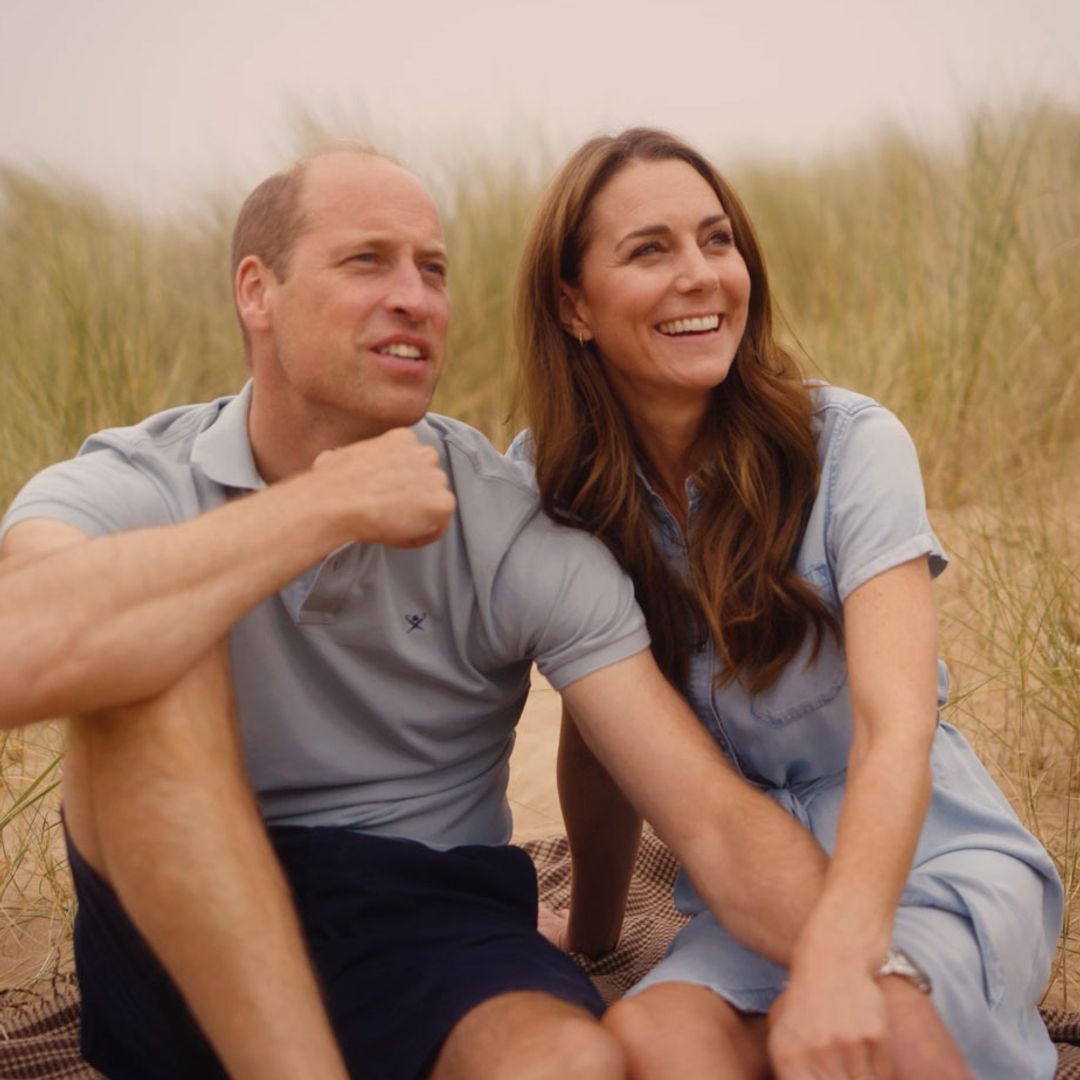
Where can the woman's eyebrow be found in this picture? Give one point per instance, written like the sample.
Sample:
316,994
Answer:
663,230
644,230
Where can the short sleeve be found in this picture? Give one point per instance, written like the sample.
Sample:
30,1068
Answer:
100,491
561,599
876,505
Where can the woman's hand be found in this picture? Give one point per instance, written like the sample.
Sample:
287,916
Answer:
831,1026
554,925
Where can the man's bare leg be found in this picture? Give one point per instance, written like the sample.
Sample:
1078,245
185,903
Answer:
528,1036
157,801
681,1031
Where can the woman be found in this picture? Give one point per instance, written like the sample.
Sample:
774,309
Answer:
777,535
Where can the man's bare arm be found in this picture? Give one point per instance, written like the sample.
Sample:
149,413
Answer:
129,632
147,791
759,871
114,620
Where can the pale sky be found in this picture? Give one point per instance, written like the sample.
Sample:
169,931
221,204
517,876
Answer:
161,100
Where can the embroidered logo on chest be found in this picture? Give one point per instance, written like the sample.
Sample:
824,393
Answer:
416,621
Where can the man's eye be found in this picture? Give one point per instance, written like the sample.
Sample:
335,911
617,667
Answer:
364,257
435,269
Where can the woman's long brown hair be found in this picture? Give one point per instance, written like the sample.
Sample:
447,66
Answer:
759,471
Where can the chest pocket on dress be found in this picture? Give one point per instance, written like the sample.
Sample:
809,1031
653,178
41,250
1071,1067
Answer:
805,687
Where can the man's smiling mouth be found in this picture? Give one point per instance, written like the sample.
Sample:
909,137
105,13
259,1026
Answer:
406,352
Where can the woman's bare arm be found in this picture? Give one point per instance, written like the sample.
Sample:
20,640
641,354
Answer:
603,830
890,640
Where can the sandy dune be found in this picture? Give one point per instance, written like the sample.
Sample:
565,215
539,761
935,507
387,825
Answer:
533,797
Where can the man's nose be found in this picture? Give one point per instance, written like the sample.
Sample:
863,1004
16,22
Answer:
407,292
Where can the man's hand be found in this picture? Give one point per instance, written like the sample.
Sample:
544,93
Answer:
833,1025
390,488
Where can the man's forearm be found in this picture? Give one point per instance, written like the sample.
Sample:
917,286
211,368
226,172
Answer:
110,621
762,877
756,867
94,624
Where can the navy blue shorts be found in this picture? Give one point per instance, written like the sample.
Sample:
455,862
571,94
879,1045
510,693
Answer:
405,940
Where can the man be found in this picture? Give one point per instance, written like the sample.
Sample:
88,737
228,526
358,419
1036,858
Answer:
296,550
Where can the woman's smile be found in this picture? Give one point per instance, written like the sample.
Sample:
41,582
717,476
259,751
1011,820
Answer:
663,290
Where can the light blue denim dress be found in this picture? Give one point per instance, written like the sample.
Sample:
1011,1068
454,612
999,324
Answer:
982,907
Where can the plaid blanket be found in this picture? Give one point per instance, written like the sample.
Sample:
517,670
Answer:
39,1029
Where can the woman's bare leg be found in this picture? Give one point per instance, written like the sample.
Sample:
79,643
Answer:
529,1036
681,1031
920,1046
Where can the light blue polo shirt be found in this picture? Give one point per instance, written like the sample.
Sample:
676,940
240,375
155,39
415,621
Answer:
380,689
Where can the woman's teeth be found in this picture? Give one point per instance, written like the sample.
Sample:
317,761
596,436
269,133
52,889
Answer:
698,325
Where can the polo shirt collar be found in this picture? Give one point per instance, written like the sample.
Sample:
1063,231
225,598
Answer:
223,450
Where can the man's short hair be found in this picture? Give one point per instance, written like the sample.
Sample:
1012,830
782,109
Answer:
270,219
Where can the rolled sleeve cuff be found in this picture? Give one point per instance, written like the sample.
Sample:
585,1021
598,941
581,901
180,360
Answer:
925,544
562,675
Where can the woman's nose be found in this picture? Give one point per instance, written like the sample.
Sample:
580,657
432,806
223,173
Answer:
694,272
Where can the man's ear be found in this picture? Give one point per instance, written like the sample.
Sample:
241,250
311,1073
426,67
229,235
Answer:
572,313
253,292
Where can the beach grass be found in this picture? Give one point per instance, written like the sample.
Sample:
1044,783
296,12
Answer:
942,280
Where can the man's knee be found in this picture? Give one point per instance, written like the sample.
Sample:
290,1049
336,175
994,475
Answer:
193,718
529,1036
123,765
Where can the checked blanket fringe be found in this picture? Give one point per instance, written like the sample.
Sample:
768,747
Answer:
39,1029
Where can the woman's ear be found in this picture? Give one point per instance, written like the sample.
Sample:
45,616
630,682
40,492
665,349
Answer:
572,314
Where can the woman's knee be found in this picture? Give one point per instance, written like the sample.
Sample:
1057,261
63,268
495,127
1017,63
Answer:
586,1049
635,1021
681,1029
529,1036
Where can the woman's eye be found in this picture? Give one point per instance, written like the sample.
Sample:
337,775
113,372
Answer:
721,238
648,248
